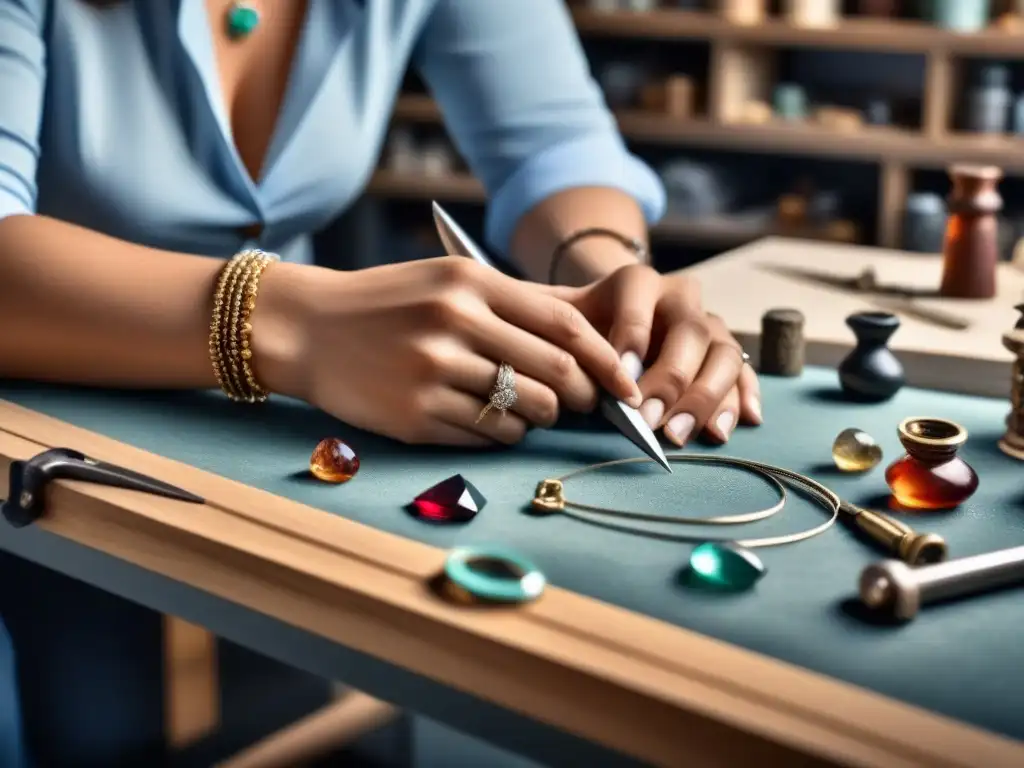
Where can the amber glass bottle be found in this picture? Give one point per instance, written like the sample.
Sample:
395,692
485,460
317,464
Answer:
931,475
970,251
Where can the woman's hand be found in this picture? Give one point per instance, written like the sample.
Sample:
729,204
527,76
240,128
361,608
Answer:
696,379
412,351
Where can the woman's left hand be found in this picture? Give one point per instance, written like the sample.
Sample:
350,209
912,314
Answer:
696,379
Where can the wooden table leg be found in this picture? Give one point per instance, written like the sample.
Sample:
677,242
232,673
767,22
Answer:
191,684
322,732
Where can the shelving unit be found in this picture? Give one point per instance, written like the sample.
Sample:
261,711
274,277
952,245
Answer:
742,62
718,232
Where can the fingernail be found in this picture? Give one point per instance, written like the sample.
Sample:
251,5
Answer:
633,364
755,409
724,423
679,427
652,410
628,387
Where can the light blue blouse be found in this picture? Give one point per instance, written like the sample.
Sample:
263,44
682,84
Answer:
111,116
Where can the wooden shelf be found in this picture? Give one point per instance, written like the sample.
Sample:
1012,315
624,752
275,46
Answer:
804,139
458,188
742,66
717,232
854,33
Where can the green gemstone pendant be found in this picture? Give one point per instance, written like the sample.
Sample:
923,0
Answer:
242,19
726,566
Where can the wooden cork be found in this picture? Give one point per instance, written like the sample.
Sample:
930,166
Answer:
782,342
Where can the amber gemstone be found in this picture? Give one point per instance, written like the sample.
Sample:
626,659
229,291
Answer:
333,461
455,500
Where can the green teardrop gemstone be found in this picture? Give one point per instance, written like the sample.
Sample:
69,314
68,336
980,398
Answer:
242,20
726,566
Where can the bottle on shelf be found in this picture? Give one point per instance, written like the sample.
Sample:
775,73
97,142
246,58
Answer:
402,154
813,13
988,102
1018,115
744,12
878,111
924,222
960,15
621,82
970,251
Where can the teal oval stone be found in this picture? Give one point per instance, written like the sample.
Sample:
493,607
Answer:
726,566
242,20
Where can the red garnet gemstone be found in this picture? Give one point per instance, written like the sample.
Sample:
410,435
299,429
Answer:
333,461
455,500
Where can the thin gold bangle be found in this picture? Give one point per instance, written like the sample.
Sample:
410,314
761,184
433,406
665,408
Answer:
638,248
550,498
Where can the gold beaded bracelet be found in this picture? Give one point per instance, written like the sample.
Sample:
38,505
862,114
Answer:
234,300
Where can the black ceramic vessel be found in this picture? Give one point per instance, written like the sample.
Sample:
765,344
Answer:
871,372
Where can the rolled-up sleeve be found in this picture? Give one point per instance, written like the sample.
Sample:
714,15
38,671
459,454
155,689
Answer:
22,78
516,92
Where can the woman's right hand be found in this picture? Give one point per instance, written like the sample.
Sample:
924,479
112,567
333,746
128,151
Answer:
412,351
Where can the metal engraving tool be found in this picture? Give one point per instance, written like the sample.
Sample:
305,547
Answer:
626,419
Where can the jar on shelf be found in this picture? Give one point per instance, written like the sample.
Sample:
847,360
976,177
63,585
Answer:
878,111
988,102
924,222
960,15
790,101
813,13
402,154
1018,115
745,12
621,82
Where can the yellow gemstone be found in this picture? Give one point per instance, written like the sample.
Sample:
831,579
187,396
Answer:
856,451
333,461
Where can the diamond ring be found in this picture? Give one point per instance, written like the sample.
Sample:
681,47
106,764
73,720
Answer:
503,394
